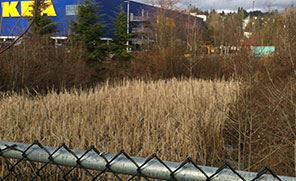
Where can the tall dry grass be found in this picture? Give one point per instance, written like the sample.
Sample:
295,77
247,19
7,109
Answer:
173,118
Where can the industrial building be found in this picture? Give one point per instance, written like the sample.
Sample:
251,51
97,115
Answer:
14,16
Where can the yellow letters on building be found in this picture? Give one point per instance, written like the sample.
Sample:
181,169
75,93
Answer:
9,9
27,8
49,10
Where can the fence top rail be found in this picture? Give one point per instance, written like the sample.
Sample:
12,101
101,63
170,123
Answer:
121,163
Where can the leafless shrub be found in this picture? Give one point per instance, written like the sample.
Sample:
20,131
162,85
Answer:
38,64
261,129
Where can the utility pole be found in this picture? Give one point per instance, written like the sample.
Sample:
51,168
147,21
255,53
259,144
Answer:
254,23
128,23
253,5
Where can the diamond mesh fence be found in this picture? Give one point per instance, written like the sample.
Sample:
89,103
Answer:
37,162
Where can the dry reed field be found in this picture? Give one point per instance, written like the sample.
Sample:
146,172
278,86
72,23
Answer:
173,118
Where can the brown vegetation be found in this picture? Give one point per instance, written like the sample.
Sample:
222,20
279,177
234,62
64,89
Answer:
38,64
262,126
172,118
206,120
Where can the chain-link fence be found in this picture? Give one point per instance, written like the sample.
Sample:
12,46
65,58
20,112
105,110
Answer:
37,162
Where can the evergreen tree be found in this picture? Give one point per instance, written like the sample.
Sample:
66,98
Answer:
42,25
119,45
88,30
242,12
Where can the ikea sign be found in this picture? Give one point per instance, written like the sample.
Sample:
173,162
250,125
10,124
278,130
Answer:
24,9
14,15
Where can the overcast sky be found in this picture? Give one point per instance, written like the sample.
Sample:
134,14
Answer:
264,5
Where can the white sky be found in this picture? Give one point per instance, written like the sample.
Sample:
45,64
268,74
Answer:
264,5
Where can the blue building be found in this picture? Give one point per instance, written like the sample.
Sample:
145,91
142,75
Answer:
14,14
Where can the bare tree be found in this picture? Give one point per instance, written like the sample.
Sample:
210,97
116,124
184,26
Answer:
166,4
194,41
